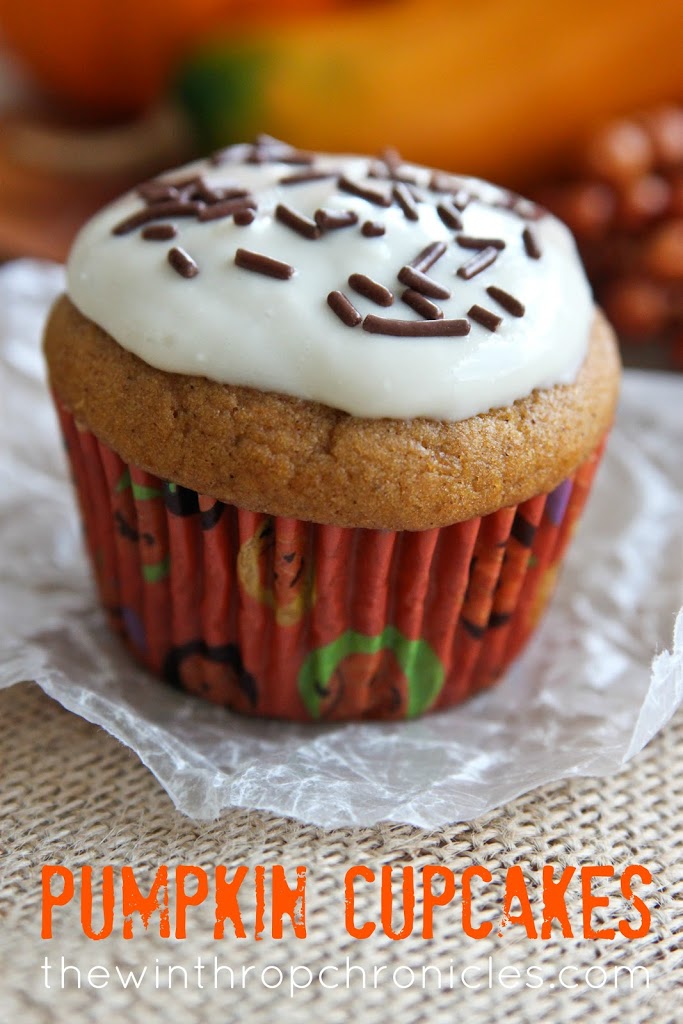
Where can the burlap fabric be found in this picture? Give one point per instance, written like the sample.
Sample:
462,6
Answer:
72,795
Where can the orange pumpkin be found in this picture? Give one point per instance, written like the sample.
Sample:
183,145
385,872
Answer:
114,57
491,88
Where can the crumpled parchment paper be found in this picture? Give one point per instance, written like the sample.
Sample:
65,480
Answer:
584,699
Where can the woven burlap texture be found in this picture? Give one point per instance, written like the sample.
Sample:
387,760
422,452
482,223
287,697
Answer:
72,795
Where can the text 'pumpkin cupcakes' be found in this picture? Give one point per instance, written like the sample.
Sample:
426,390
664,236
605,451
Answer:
331,421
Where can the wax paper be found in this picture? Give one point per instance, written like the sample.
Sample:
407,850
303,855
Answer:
600,678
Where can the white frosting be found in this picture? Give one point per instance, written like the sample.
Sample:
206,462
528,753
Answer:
235,326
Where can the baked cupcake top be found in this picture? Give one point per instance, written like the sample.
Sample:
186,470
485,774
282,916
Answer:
372,286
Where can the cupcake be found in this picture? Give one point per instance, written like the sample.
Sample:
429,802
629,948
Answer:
331,421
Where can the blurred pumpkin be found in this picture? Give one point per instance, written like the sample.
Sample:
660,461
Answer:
492,88
114,57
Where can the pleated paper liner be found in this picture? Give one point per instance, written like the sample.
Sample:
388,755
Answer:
288,619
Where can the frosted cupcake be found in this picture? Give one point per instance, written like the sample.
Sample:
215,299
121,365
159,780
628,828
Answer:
331,421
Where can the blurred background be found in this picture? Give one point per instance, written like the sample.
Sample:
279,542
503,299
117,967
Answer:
577,104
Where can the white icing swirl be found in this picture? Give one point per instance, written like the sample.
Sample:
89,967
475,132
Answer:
235,326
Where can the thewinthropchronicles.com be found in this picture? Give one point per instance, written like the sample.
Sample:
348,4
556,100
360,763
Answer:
58,974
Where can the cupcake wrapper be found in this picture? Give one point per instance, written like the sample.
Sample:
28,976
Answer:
289,619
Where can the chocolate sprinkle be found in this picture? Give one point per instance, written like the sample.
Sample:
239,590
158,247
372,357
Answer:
159,232
382,173
345,310
261,264
296,221
468,242
483,259
182,263
330,220
226,208
242,217
416,328
264,139
234,192
440,182
237,153
388,168
428,256
157,191
421,283
391,158
422,305
449,215
268,150
528,210
296,156
373,229
524,208
507,301
461,198
206,193
484,317
371,289
533,250
372,195
405,200
301,177
219,195
187,184
156,212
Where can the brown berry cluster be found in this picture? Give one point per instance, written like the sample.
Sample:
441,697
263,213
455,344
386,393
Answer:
625,206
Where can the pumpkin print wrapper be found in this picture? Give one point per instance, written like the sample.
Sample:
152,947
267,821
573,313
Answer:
288,619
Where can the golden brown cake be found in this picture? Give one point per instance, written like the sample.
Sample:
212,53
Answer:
321,464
